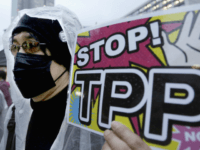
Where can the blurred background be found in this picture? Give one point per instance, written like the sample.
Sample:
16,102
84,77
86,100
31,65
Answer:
90,12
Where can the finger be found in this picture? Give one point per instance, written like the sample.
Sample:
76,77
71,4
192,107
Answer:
187,24
168,48
115,142
106,146
172,52
132,139
195,31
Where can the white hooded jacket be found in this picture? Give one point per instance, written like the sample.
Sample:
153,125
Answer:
69,137
3,111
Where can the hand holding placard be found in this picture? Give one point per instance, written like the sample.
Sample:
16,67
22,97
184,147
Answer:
121,138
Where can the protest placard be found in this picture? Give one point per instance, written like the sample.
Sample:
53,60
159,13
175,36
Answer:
143,72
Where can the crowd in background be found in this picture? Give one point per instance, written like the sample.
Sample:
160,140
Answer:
5,98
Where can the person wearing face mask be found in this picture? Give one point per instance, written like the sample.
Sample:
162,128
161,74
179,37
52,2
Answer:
4,99
42,75
42,43
4,87
3,95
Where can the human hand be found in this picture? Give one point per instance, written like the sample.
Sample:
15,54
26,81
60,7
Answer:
121,138
186,50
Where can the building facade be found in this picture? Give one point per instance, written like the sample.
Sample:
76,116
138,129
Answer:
155,5
24,4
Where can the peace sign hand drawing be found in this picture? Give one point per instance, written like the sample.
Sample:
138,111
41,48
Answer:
186,50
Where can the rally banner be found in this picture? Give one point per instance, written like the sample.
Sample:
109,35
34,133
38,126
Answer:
143,72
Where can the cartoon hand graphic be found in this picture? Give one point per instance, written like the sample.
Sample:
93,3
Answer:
186,50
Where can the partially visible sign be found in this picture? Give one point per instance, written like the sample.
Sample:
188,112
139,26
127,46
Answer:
143,73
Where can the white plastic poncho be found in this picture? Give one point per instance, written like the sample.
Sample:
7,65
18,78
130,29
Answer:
3,111
69,137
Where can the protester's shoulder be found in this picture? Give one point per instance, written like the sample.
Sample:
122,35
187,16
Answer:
8,84
10,108
4,84
1,93
9,112
2,99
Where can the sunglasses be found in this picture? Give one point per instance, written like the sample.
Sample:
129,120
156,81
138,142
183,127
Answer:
28,46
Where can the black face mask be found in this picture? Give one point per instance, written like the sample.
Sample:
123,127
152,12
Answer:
32,74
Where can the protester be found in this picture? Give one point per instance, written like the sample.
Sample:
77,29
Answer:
4,87
3,111
42,42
